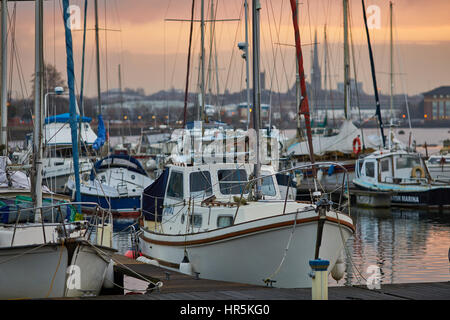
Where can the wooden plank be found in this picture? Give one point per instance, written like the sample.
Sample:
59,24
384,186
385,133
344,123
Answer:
185,287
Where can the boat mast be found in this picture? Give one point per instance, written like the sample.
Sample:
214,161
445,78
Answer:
186,93
211,40
72,101
256,7
346,64
202,27
36,178
391,74
4,92
247,69
374,78
97,55
121,101
297,91
303,106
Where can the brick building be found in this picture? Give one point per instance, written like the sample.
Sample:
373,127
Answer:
437,104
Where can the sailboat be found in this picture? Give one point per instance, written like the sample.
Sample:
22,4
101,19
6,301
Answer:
36,256
115,183
227,221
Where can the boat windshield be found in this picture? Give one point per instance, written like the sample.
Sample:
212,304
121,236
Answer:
267,186
200,184
407,162
232,181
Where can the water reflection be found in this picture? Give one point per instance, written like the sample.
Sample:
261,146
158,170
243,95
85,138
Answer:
407,245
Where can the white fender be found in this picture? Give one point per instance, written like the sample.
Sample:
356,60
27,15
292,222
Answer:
185,266
339,268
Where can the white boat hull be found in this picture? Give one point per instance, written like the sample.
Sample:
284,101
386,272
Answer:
40,273
251,252
92,264
44,271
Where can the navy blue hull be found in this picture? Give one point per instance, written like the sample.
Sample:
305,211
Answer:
426,198
127,206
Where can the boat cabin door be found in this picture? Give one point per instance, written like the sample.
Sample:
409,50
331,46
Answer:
369,171
174,192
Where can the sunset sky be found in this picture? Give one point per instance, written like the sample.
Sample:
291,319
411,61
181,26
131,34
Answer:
153,52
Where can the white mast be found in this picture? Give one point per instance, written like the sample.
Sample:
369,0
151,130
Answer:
4,89
202,27
391,76
346,64
36,185
256,7
247,69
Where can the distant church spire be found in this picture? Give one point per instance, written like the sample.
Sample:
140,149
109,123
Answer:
316,76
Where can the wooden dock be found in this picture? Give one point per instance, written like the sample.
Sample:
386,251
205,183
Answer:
177,286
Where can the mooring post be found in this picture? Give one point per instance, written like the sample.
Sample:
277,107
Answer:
319,276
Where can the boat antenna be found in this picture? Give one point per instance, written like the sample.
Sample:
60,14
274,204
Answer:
188,64
374,78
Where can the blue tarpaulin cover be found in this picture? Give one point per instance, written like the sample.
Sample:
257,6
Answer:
101,134
155,191
65,118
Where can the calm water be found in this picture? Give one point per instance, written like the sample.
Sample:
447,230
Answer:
406,245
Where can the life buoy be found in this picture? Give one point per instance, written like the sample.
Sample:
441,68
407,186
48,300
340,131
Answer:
356,149
417,169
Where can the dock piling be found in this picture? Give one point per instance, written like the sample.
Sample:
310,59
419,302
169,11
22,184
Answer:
319,276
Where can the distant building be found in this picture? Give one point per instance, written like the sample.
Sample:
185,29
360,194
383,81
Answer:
353,86
316,75
437,104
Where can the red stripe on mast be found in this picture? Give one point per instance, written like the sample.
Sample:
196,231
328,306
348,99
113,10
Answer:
304,107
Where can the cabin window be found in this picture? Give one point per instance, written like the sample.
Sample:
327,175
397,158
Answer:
232,181
407,162
370,169
224,221
437,160
360,165
196,220
200,183
267,186
385,165
175,188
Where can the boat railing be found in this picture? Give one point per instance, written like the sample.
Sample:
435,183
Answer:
100,219
317,196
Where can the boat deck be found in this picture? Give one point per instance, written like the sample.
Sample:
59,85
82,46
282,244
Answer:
177,286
